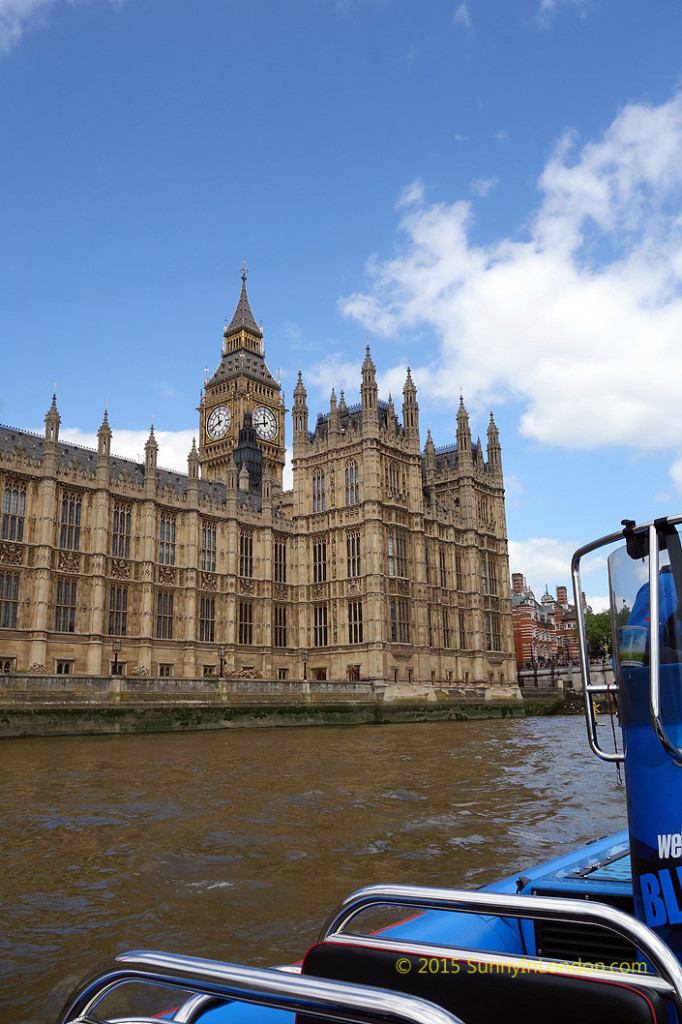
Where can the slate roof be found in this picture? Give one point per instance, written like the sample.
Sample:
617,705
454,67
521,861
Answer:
247,363
85,461
243,318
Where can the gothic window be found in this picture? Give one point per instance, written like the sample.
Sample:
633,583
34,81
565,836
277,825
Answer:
246,622
495,636
207,619
393,478
443,568
458,571
70,532
13,509
120,531
65,607
353,567
429,626
118,611
167,540
462,631
446,627
355,622
164,615
488,633
492,575
320,625
280,625
208,546
397,555
400,622
319,561
352,485
246,554
427,563
9,599
484,575
319,501
280,560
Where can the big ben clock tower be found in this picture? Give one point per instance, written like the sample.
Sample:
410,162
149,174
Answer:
242,383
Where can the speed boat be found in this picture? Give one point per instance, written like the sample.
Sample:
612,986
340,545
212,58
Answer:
591,937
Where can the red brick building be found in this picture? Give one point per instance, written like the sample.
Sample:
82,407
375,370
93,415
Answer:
544,631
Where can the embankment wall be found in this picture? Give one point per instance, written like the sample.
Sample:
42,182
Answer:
77,705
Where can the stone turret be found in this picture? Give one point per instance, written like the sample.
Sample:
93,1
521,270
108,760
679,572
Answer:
151,454
52,421
494,449
300,413
369,394
103,450
104,439
410,410
430,456
334,422
193,471
463,435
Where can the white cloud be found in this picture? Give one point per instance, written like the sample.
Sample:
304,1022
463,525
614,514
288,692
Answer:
581,319
16,16
546,561
462,15
676,473
411,195
543,561
330,372
548,7
174,445
19,16
483,186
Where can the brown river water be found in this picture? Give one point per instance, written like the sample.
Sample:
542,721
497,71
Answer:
235,844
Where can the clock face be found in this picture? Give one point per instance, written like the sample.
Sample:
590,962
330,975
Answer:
218,422
265,423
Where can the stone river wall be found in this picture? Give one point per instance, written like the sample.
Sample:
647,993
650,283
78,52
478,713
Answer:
76,705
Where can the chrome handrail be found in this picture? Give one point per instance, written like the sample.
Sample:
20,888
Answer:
670,748
652,530
543,908
523,963
588,687
335,1000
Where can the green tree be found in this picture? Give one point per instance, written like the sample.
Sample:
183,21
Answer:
598,633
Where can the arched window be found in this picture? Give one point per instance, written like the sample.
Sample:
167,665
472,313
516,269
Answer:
319,501
352,483
70,532
13,508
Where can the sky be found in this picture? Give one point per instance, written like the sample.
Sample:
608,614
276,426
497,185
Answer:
488,190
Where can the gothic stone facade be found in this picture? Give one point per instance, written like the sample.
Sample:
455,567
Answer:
383,562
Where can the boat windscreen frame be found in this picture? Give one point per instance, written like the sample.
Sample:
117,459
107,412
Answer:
651,535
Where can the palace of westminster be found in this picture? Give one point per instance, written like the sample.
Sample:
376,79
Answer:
384,562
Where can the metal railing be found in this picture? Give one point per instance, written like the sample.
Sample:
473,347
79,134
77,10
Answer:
653,532
334,1000
536,908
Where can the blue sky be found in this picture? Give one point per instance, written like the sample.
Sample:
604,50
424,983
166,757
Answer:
490,189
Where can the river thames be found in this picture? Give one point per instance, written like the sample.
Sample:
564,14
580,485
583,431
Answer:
235,844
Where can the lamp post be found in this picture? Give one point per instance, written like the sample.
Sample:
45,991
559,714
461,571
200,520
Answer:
304,659
116,647
221,655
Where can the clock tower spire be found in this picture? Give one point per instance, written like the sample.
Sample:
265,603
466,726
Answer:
241,384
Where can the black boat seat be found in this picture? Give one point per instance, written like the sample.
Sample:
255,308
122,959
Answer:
483,988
